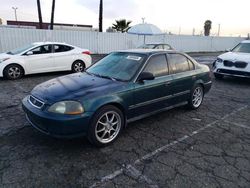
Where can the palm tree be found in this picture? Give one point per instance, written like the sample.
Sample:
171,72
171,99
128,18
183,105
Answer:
52,15
100,15
207,27
121,25
39,14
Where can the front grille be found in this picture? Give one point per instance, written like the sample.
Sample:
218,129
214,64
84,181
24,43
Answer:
240,64
228,63
237,64
35,102
233,72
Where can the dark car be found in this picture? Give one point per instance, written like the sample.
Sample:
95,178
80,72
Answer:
122,87
159,46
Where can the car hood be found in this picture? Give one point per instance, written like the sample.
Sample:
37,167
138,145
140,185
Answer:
236,56
73,87
4,55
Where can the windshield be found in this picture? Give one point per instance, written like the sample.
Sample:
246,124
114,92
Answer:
147,46
20,50
120,66
242,47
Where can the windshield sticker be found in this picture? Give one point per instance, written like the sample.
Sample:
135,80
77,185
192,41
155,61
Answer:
135,58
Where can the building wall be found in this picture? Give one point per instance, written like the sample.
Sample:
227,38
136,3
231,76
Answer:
96,42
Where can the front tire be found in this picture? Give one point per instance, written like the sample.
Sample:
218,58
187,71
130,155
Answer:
78,66
13,72
106,126
196,97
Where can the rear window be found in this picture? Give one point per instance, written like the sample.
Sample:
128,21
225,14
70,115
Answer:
62,48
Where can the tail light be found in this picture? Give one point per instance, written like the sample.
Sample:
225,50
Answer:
86,52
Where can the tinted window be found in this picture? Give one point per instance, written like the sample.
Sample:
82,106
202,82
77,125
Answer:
179,63
166,47
118,65
157,65
158,47
62,48
42,50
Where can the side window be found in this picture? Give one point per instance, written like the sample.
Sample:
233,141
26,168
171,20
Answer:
159,47
191,65
62,48
179,63
157,65
45,49
166,47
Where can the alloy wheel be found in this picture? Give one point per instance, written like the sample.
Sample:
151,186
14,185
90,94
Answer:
197,97
78,67
108,127
14,72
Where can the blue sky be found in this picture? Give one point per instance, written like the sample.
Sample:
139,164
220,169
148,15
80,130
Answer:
169,15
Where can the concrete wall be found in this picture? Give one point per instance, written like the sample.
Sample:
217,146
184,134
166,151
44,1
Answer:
96,42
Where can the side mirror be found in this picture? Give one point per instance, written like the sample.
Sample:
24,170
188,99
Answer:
145,76
29,53
228,50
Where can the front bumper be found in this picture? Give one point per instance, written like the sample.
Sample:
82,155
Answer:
219,68
207,86
56,125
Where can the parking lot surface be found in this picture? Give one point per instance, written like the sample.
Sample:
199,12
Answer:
208,147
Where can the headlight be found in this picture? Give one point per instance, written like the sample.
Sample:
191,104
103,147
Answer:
2,60
67,107
219,60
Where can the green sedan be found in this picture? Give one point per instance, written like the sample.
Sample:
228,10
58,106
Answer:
124,86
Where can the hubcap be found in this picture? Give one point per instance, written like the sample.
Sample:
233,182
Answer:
108,127
197,97
78,67
14,72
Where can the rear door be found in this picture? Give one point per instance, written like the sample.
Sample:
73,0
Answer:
184,76
152,95
39,59
63,56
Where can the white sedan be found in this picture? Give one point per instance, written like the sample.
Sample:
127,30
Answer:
43,57
236,62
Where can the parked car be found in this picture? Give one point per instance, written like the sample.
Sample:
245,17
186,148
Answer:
161,46
236,62
122,87
43,57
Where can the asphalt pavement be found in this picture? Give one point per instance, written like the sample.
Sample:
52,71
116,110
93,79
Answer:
208,147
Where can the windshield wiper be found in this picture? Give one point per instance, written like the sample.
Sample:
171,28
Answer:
107,77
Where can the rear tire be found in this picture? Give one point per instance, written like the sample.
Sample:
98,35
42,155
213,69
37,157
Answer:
196,97
13,72
106,126
78,66
218,76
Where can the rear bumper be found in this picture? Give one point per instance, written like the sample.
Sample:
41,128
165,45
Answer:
56,125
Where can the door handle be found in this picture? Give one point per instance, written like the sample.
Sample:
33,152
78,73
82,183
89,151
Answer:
193,77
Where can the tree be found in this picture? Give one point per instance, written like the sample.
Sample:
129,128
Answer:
207,27
52,15
121,25
100,15
39,14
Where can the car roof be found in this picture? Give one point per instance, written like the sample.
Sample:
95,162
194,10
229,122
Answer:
146,51
245,41
157,43
44,43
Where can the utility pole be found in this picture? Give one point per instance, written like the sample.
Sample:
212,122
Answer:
15,8
180,30
39,14
193,31
219,30
100,15
52,15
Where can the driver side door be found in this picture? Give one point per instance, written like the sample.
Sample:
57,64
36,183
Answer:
39,59
153,95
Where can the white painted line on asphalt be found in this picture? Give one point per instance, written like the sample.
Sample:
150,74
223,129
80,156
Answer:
238,124
138,175
155,152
